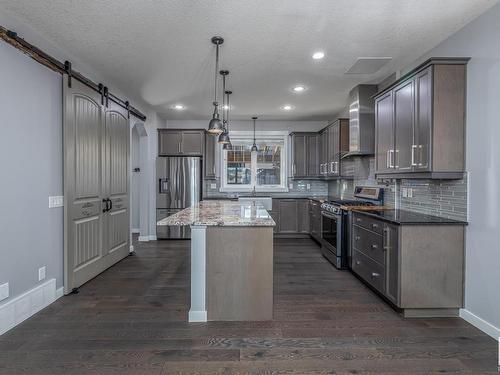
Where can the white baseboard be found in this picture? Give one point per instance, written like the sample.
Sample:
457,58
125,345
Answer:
22,307
136,230
480,323
59,292
197,316
151,237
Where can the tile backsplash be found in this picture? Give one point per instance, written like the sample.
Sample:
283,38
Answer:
446,198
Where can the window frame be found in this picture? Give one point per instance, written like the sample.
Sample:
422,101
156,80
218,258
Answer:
248,136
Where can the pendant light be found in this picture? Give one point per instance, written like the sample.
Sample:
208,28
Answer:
254,146
215,126
228,145
224,136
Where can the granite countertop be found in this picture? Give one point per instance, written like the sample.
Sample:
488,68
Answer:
403,217
222,213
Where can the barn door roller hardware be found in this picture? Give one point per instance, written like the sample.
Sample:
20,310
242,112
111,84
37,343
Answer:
11,37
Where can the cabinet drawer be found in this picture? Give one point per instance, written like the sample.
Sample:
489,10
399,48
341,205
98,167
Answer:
369,243
369,270
369,223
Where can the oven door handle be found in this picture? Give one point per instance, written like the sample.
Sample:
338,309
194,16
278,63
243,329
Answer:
329,215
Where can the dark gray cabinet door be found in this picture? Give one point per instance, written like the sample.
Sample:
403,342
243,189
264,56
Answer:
303,215
423,120
288,216
209,157
384,123
404,118
299,155
312,155
169,142
391,248
192,142
335,153
323,153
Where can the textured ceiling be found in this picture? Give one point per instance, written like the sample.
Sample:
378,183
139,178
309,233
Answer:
160,50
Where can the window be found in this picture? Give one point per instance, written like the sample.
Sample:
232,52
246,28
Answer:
265,170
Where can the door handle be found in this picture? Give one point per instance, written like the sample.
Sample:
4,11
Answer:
105,201
110,204
179,147
413,149
375,274
357,238
374,247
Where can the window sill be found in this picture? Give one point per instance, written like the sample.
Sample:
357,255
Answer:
250,190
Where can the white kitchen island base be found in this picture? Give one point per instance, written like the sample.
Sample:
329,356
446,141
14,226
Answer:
198,310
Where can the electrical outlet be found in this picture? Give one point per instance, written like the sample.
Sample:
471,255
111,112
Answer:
308,186
404,192
290,186
4,291
41,273
56,201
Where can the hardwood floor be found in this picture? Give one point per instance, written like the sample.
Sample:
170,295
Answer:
132,320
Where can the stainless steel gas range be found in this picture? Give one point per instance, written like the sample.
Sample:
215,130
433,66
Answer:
336,221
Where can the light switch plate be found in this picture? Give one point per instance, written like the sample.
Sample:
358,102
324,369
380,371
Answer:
4,291
410,193
41,273
404,192
290,186
213,186
56,201
308,186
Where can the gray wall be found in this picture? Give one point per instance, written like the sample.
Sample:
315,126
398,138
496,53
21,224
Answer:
480,40
31,155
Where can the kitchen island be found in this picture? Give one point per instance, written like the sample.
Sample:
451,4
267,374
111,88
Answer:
231,260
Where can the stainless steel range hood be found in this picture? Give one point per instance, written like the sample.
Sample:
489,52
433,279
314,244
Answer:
361,121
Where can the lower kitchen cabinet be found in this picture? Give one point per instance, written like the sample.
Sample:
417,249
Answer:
315,219
291,217
418,268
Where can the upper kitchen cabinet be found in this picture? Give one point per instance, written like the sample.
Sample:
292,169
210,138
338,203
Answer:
334,143
420,122
176,142
304,155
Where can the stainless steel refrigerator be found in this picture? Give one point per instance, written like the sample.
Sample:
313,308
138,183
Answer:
178,187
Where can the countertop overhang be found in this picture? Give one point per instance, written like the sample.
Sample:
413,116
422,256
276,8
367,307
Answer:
221,213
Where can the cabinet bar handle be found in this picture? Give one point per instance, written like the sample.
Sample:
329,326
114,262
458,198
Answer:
375,274
387,159
413,149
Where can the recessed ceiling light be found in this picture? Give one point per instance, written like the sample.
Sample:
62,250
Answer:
179,107
318,55
287,107
299,88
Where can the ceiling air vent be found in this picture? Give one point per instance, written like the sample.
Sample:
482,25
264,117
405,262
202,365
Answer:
368,65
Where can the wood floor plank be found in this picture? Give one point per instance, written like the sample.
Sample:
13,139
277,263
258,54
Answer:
132,319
